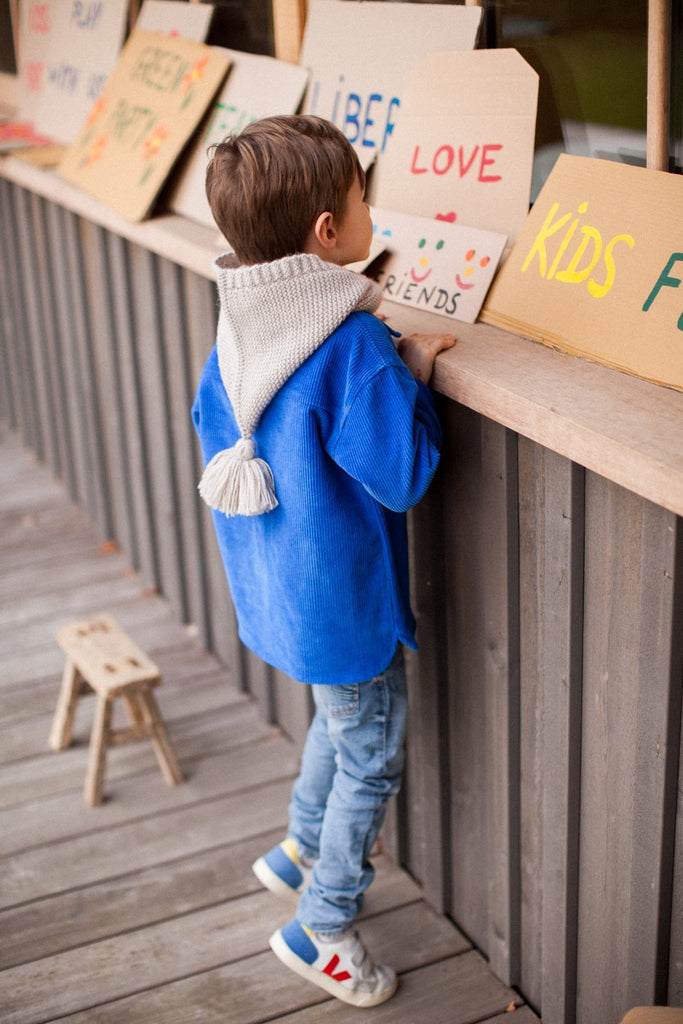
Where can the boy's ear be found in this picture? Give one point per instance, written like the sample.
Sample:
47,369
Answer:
325,231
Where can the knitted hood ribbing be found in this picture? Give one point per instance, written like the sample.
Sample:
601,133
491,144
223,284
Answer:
273,316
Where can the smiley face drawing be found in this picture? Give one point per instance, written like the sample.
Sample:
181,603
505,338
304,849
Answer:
425,270
469,270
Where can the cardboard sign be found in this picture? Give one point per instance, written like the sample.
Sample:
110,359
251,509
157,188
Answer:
358,55
68,48
176,18
435,266
597,268
256,87
463,148
151,104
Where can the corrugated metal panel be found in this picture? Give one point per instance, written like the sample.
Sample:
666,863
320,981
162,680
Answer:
542,804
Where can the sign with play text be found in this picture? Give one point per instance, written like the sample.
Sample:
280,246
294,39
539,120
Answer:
433,265
68,48
597,268
257,86
358,54
154,99
463,147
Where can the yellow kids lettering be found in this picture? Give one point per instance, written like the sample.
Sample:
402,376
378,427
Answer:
547,230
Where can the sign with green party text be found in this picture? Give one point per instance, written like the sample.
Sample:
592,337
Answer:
597,269
151,104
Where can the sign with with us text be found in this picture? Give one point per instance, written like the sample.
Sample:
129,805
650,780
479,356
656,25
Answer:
68,48
154,99
597,269
358,55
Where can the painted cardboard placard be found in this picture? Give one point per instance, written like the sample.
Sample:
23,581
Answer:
68,48
256,86
433,265
358,55
463,148
154,99
176,18
597,269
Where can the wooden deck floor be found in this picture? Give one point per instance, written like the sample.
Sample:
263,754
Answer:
144,910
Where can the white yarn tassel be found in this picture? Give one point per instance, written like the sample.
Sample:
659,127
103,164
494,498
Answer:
237,483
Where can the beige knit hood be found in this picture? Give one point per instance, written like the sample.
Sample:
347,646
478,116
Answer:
273,316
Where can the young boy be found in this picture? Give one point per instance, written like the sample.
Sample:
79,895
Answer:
318,433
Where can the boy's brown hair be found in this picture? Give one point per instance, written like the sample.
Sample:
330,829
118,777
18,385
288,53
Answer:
268,185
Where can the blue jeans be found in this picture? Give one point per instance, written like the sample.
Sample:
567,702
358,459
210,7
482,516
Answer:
352,763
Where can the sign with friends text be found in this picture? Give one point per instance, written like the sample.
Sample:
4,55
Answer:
154,99
358,55
463,148
257,86
68,48
597,269
433,265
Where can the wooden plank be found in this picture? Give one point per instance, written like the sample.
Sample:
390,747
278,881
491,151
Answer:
197,942
61,817
71,919
134,845
464,555
628,640
459,990
658,83
551,577
500,527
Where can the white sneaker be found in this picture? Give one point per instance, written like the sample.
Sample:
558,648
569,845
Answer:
282,871
344,968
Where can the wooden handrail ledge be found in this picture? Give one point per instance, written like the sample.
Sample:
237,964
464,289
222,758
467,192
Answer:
625,429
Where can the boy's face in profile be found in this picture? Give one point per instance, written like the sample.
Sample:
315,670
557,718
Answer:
354,231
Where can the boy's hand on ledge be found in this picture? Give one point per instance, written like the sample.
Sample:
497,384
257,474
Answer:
418,352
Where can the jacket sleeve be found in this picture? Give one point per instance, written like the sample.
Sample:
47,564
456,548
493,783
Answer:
390,436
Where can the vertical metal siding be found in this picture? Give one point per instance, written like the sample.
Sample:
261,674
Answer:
542,806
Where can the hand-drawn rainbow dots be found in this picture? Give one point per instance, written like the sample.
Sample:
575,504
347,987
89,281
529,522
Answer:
424,262
469,270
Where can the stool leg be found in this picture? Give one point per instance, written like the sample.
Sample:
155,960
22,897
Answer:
159,737
99,741
70,691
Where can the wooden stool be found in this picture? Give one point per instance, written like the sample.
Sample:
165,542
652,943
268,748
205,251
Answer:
101,657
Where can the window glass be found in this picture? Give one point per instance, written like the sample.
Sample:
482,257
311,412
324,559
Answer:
592,62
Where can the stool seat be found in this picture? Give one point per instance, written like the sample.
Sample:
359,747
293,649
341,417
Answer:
102,658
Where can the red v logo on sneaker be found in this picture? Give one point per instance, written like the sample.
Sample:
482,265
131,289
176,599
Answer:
332,966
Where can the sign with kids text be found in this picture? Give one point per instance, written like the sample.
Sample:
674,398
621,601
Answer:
597,268
463,148
433,265
154,99
257,86
358,55
68,48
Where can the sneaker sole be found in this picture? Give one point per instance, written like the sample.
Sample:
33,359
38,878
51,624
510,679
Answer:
334,988
273,882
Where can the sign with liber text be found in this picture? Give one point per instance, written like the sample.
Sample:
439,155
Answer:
463,148
358,55
257,86
433,265
68,48
154,99
597,269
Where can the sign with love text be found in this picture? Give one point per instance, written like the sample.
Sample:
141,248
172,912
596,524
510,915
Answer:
152,102
597,268
434,266
463,148
256,86
68,48
358,55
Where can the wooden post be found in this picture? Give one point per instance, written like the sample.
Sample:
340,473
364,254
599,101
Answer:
289,19
658,83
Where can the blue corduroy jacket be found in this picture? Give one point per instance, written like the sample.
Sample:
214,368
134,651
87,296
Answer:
320,584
